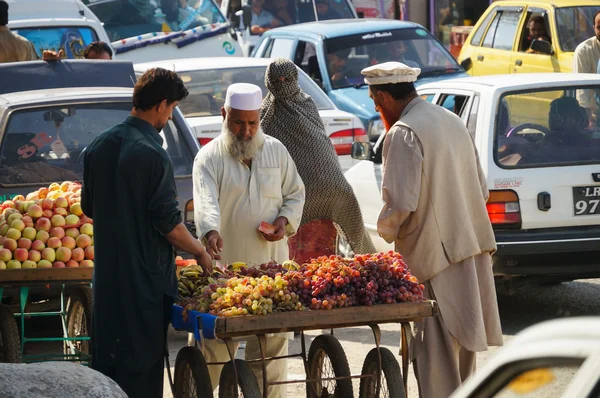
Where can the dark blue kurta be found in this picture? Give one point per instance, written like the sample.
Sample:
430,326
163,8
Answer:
129,190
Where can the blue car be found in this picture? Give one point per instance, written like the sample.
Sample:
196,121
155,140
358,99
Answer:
333,53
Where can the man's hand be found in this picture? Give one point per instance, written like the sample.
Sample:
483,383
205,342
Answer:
214,244
280,223
205,261
53,55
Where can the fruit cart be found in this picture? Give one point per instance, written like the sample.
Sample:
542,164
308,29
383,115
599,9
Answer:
63,293
326,365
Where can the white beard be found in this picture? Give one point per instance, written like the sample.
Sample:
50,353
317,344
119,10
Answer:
239,149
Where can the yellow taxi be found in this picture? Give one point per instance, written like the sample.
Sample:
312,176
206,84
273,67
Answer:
503,42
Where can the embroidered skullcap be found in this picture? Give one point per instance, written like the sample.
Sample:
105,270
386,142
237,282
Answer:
390,73
243,97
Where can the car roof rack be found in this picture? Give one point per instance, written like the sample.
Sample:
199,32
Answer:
42,75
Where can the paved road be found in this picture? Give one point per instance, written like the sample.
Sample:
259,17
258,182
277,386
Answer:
521,305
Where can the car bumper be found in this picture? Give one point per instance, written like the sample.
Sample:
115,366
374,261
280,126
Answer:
572,252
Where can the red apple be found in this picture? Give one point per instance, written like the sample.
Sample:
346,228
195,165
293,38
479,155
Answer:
89,252
57,232
54,243
49,254
35,211
21,255
38,245
83,241
58,264
47,204
77,254
72,264
43,224
35,256
10,244
24,243
86,263
28,222
48,213
63,254
69,242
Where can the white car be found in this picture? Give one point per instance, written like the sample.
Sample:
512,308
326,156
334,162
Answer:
558,358
542,163
207,80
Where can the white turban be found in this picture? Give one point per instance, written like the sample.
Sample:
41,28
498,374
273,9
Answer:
244,97
390,73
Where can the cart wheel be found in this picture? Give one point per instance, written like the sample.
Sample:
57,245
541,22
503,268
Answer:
391,381
79,318
228,387
192,379
326,358
10,342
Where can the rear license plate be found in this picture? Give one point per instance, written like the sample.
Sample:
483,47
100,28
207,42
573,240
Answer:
586,200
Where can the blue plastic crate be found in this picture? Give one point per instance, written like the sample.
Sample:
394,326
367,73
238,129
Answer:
195,321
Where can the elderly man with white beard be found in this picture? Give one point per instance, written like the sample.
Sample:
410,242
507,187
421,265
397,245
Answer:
241,179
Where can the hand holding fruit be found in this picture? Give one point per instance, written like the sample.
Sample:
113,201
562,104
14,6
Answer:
274,234
214,245
205,261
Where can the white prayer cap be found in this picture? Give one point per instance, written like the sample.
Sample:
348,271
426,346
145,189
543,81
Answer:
390,73
243,97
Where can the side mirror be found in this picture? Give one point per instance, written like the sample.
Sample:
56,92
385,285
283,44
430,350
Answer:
542,46
362,150
247,15
466,63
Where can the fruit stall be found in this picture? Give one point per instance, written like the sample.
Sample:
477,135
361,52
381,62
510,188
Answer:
328,293
46,266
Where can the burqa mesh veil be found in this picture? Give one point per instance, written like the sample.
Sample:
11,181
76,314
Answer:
292,117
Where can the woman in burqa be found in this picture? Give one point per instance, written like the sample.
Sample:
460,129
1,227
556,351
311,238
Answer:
291,116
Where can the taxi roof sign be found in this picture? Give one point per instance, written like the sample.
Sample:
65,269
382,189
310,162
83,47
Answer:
74,73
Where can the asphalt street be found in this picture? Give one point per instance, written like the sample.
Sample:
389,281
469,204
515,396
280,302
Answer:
522,304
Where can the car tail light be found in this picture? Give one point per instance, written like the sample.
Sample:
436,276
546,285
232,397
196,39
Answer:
503,209
189,211
204,140
342,140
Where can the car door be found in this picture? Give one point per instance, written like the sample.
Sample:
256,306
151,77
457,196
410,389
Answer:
279,47
525,61
494,54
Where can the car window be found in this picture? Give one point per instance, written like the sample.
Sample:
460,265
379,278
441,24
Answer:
506,30
261,50
533,381
306,59
478,35
177,149
207,89
543,128
488,41
72,40
575,25
454,103
536,27
282,48
428,97
472,120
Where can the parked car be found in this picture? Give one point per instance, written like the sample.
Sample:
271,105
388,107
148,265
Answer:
60,100
542,164
208,80
56,24
557,358
294,12
333,53
500,41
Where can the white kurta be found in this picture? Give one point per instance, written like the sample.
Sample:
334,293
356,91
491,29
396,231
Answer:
585,60
233,199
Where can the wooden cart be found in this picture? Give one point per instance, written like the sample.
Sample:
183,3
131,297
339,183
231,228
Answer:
191,371
52,292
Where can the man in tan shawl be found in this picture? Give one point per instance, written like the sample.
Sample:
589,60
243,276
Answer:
292,117
434,194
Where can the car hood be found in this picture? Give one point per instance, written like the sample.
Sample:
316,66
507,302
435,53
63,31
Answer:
356,99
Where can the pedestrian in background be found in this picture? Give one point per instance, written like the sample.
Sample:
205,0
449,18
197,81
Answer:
13,48
585,60
135,283
292,117
98,50
435,194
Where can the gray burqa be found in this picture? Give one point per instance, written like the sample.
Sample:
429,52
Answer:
292,117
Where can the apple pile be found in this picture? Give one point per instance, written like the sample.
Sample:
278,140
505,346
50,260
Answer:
46,229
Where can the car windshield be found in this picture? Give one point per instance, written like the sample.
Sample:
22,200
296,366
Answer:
71,39
347,56
132,18
555,127
575,25
44,145
207,89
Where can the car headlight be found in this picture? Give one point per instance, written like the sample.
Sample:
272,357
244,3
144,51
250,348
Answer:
376,128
